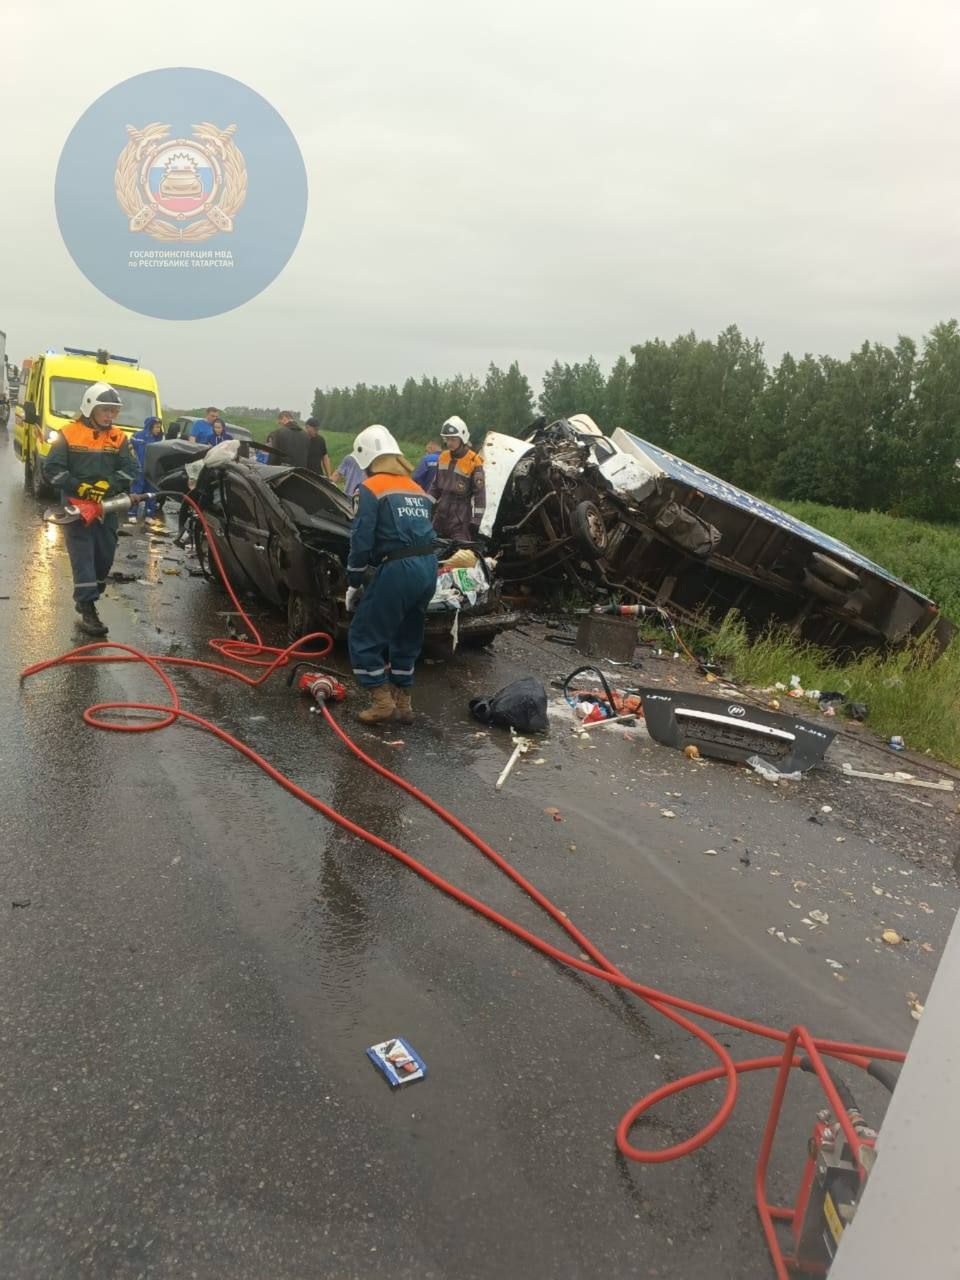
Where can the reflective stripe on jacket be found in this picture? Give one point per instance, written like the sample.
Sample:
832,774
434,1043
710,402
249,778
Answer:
81,454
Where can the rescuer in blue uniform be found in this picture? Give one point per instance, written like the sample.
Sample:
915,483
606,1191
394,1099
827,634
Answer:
392,539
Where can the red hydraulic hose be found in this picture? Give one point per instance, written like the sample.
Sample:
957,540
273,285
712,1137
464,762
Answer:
269,659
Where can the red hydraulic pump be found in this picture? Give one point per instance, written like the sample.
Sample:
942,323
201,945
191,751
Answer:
840,1155
321,686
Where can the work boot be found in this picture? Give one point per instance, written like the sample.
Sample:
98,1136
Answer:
381,706
402,705
90,622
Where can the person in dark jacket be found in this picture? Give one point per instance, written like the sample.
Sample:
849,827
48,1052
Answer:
318,459
392,539
92,459
458,485
290,442
220,432
152,429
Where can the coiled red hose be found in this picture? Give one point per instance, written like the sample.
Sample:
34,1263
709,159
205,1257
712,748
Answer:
269,659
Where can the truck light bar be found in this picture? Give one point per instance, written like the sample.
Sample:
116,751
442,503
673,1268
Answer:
102,356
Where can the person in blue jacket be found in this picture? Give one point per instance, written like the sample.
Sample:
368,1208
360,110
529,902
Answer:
426,468
392,539
201,431
152,429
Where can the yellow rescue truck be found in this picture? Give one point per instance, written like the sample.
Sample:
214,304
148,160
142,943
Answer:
50,396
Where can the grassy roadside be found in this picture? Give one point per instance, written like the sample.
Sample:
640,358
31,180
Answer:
907,693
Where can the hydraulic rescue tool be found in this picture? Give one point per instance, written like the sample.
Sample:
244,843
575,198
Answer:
86,510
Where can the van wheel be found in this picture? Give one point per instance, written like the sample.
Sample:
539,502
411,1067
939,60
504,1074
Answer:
823,590
41,488
838,575
33,481
589,529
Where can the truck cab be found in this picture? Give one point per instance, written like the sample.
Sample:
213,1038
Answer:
52,386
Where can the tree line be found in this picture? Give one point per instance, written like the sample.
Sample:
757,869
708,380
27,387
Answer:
878,431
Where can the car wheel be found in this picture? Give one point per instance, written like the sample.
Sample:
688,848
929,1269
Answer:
306,614
204,559
589,530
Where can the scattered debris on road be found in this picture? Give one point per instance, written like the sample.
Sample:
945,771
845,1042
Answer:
399,1062
903,779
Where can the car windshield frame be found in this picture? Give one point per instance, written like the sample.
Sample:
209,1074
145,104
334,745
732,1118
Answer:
134,399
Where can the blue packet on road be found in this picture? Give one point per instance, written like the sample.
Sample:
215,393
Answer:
400,1063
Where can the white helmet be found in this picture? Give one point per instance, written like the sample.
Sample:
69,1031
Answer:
99,394
584,425
373,443
455,427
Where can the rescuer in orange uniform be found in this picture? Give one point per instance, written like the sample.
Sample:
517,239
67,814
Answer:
92,459
458,485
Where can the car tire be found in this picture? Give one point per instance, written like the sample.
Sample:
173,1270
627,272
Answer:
306,615
204,559
589,530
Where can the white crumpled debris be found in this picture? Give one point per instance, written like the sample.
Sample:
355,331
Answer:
769,772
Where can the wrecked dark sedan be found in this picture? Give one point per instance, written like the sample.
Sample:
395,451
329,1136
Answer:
285,533
568,507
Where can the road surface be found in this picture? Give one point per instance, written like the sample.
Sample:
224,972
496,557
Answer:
198,963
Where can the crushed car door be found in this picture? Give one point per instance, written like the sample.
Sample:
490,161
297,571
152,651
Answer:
249,533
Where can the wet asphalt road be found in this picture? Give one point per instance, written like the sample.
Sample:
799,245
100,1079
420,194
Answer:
187,997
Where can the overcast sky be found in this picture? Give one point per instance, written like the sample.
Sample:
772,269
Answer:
524,180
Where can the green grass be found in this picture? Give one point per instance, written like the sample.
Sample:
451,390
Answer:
926,556
907,692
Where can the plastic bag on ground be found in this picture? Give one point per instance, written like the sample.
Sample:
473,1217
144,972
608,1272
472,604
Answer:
521,706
